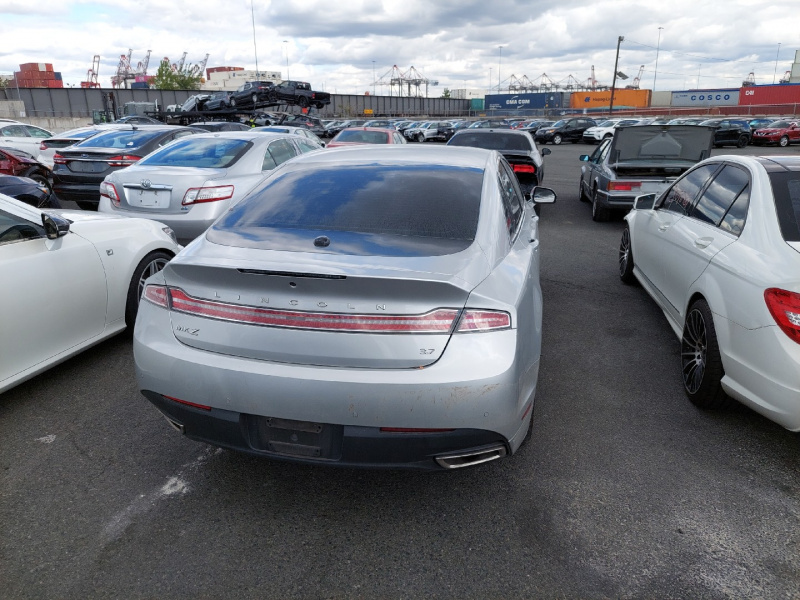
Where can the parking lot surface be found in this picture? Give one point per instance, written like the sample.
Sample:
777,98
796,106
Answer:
624,489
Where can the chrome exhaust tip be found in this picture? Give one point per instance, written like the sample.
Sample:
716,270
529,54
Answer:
469,459
175,425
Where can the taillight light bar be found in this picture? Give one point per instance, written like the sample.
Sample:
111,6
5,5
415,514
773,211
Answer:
59,160
109,191
784,306
207,194
623,186
521,168
123,160
441,320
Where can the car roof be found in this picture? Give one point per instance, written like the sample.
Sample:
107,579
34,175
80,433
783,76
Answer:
779,163
239,135
405,154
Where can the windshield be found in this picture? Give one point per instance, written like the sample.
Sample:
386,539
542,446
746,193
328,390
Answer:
779,125
211,153
362,137
607,124
559,123
124,138
492,141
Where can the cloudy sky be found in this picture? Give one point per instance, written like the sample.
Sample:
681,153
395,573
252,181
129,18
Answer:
338,45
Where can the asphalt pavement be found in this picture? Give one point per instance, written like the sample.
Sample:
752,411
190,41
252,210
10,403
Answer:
625,489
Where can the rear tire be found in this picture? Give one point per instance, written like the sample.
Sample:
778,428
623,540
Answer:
581,196
303,102
149,265
701,363
599,213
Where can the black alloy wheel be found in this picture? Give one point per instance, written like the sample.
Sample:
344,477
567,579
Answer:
626,257
701,364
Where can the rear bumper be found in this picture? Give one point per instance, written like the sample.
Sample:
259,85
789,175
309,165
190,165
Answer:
337,445
186,225
78,192
475,390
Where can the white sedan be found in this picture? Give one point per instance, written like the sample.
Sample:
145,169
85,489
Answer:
719,251
70,280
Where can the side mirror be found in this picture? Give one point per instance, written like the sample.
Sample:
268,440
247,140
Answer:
644,202
583,158
542,195
54,226
545,151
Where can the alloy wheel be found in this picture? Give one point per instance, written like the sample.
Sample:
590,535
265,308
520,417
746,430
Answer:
694,350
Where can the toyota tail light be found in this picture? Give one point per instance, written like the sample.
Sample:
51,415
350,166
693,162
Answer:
207,194
784,306
109,191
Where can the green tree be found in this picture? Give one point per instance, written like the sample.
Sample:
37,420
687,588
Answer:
167,79
446,93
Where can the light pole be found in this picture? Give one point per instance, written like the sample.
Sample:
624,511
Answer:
255,50
373,77
620,39
698,75
490,80
776,63
499,64
658,47
286,49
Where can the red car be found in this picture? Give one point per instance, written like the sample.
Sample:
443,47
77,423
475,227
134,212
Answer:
781,133
355,136
21,164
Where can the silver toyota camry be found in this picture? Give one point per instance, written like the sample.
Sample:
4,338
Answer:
375,307
192,181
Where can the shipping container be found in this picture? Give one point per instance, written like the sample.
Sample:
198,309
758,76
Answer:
58,75
622,98
520,102
770,94
140,85
702,98
660,99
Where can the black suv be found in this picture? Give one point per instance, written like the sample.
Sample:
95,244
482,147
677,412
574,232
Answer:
730,132
251,93
565,130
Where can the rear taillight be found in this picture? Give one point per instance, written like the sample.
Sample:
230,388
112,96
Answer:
157,294
43,146
524,168
123,160
207,194
623,186
109,191
483,320
59,160
438,321
784,306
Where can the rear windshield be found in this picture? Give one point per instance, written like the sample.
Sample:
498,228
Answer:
493,141
370,209
125,138
786,190
212,153
364,137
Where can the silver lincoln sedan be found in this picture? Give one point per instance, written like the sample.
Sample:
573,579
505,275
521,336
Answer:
375,307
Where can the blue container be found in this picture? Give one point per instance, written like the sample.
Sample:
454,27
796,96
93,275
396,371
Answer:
140,85
57,75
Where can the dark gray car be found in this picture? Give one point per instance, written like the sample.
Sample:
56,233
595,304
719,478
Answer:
639,160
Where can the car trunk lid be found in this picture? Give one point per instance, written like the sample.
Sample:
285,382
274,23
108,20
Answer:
163,189
334,311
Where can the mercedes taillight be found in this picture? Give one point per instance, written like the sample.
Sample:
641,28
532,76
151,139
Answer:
784,306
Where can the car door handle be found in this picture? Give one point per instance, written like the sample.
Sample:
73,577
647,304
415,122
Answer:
663,228
703,242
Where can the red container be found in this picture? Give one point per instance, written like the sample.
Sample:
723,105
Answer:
28,67
48,67
769,94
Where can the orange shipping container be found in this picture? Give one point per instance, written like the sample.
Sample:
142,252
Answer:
623,97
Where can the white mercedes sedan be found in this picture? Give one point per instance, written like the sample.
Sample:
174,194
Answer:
71,279
719,251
